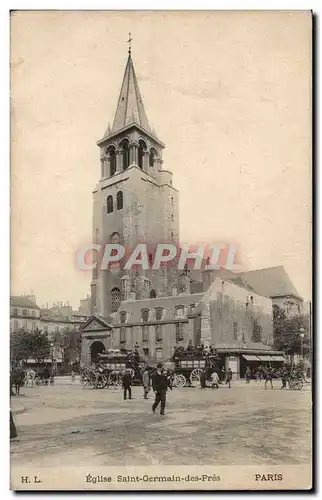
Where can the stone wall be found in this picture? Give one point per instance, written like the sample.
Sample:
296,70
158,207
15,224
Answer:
231,313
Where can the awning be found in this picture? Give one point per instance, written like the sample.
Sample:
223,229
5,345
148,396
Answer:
266,358
250,357
278,358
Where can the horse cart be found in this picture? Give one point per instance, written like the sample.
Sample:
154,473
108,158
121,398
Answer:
110,368
188,368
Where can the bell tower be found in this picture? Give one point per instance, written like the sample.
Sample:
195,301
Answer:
133,202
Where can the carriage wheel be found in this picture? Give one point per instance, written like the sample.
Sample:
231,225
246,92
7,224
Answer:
100,382
195,376
179,380
297,385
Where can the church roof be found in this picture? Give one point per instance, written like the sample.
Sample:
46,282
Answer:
130,109
271,282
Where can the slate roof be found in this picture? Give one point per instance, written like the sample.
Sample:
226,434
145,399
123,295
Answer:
22,301
130,107
271,282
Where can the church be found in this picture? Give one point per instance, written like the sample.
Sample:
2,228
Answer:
135,201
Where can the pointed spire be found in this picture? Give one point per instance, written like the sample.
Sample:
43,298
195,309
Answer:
130,107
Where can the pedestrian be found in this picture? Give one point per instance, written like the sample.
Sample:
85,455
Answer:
284,378
229,377
160,385
203,379
269,377
146,381
247,375
215,380
126,382
13,430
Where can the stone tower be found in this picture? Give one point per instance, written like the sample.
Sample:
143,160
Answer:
133,202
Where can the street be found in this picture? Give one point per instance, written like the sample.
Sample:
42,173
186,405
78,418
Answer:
68,425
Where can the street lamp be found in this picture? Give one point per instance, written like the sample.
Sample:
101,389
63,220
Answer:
302,335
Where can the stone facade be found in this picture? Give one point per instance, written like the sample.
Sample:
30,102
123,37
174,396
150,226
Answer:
230,313
134,201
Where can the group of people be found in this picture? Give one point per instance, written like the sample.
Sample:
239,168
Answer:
216,377
268,373
159,378
199,351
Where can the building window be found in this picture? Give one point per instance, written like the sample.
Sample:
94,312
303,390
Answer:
179,312
145,333
158,333
15,312
125,150
192,307
152,156
141,153
57,329
145,351
33,313
15,325
24,312
235,329
158,313
145,315
25,324
34,325
116,299
123,317
257,331
115,238
172,201
112,158
158,353
119,200
179,332
122,335
109,204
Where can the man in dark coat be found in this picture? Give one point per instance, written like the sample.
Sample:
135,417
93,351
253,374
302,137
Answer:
13,430
229,377
126,381
160,384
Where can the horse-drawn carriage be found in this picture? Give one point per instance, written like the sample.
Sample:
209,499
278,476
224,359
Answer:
189,365
110,367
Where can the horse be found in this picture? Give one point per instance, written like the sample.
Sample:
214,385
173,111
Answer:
17,379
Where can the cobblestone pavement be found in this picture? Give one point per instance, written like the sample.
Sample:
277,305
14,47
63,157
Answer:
68,425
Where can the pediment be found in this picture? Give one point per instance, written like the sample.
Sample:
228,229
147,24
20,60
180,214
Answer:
95,323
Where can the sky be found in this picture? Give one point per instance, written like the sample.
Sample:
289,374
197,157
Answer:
229,93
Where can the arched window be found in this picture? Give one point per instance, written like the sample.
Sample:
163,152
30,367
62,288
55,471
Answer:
152,156
116,299
109,204
119,200
112,157
125,153
141,153
115,238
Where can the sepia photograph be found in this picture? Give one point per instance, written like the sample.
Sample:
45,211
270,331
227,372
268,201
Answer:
161,250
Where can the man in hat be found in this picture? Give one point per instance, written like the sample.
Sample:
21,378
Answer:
160,385
127,381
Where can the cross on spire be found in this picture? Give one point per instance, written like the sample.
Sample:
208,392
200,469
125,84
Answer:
129,42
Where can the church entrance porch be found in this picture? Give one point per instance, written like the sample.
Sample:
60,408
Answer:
96,348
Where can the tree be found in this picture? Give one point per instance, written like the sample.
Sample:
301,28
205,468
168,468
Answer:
287,332
25,344
68,342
